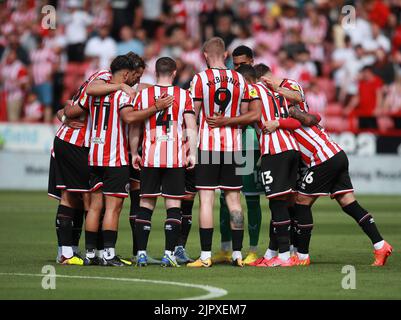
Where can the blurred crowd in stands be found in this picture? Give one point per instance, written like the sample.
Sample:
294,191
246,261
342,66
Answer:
349,68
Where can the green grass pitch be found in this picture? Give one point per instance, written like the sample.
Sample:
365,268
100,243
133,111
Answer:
28,243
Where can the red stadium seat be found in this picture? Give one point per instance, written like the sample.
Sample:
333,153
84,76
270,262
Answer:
334,109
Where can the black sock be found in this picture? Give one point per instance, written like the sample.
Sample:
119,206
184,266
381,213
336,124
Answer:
293,232
272,237
281,224
206,238
142,227
134,196
65,216
305,225
237,239
77,226
365,221
186,210
91,240
172,228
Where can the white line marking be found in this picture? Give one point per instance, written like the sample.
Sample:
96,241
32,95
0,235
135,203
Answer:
213,292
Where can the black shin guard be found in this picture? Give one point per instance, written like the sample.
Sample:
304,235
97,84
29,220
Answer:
142,227
172,228
281,224
365,221
186,210
100,238
206,238
304,217
65,217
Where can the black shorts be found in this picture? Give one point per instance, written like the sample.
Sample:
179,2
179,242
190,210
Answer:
328,178
218,170
279,173
190,182
134,174
52,190
166,182
72,166
114,181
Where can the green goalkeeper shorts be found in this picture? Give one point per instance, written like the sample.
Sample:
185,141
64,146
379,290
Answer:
252,183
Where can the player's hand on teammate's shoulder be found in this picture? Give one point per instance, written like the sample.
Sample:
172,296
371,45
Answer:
128,90
190,163
216,121
136,161
270,126
268,81
74,123
165,101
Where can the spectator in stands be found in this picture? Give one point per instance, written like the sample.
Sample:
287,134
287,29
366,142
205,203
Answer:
316,98
224,29
14,80
392,102
340,57
129,43
44,62
384,68
33,110
368,102
102,47
314,31
13,43
76,23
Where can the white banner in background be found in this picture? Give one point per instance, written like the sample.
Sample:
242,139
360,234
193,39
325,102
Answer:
26,137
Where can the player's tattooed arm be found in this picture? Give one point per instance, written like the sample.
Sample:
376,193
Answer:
306,119
292,95
237,220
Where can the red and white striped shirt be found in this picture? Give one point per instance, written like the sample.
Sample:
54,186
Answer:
42,60
315,144
221,91
109,133
163,144
280,140
13,75
81,137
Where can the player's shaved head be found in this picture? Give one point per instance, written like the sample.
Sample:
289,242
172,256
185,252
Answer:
214,47
248,72
261,70
165,66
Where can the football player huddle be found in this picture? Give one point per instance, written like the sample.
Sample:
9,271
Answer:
234,130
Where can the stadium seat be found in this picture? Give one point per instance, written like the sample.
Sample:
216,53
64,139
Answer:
328,87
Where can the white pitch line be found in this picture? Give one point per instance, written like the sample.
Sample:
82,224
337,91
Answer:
213,292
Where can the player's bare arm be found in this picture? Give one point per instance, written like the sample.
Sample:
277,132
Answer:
250,113
134,141
291,95
191,132
129,115
306,119
102,88
288,124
